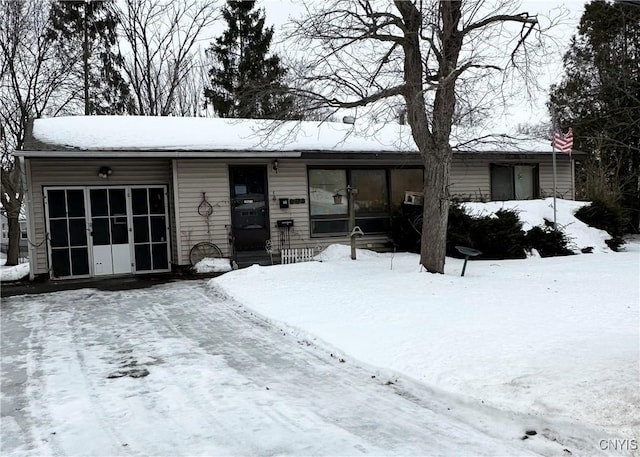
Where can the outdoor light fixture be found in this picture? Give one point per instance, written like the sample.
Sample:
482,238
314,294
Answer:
275,165
105,172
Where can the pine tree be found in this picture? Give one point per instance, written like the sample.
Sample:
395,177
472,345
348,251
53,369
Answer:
245,81
85,33
599,97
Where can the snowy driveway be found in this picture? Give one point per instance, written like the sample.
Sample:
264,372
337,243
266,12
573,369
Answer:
180,370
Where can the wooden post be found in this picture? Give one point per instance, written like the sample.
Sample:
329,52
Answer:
352,220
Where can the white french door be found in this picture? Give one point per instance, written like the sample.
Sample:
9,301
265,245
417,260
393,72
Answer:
110,231
98,231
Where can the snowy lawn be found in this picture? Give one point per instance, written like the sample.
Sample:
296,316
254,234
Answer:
555,338
13,273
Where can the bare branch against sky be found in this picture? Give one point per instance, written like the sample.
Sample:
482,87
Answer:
160,40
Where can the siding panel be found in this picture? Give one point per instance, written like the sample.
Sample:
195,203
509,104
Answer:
193,178
469,179
564,187
290,182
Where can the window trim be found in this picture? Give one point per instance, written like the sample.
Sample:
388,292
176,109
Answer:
388,215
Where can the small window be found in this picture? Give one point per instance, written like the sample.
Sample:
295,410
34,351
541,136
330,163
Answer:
56,200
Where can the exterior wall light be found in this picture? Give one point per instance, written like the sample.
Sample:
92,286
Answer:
105,172
275,166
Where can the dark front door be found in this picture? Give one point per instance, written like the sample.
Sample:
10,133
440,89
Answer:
249,216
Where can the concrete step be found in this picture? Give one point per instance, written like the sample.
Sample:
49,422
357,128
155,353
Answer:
247,258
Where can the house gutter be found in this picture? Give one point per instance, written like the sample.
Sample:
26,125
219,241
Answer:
88,153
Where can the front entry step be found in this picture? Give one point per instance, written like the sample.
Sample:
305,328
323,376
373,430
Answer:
247,258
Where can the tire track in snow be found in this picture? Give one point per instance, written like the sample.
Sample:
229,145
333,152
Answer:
22,395
222,381
259,335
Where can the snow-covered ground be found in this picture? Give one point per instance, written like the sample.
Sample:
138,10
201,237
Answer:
337,357
554,338
13,273
180,369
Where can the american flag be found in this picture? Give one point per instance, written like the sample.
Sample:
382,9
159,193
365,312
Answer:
563,142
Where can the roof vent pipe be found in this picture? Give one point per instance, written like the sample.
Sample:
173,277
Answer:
348,120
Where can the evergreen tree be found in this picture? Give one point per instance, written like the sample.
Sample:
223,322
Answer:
599,97
245,81
85,33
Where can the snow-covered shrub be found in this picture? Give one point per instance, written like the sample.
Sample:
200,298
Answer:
605,216
547,241
498,236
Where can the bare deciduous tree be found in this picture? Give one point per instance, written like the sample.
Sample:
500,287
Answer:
32,83
189,98
430,57
158,42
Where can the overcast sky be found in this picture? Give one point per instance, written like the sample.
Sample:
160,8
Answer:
278,13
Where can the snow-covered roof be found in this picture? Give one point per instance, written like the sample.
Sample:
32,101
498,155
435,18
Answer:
184,136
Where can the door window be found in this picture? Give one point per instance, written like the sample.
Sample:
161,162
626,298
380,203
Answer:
249,216
109,216
524,182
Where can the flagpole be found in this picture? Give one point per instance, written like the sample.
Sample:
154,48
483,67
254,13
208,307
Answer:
553,155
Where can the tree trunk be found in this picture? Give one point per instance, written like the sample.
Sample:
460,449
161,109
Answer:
435,214
13,250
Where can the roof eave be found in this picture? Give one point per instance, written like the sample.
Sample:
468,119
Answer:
155,153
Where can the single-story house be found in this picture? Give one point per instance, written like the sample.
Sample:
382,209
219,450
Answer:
113,195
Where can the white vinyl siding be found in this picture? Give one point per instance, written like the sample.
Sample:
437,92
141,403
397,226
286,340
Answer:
469,180
470,177
195,177
290,182
564,187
